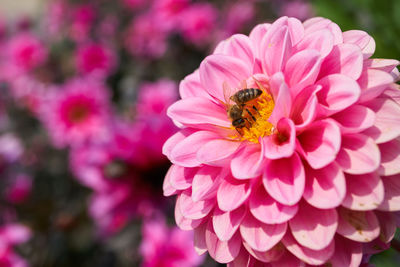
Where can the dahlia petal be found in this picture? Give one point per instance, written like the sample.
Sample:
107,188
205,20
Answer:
247,162
241,260
274,146
387,221
354,119
217,69
226,223
296,29
318,23
320,143
174,140
193,210
302,69
191,87
275,83
232,193
185,152
257,34
362,39
199,239
267,210
205,183
179,177
183,112
321,40
288,260
239,46
304,109
185,223
391,200
222,251
314,228
283,103
359,154
216,151
259,236
284,179
386,65
347,253
271,255
277,49
390,161
309,256
338,92
344,59
364,192
168,189
360,226
325,188
373,82
387,122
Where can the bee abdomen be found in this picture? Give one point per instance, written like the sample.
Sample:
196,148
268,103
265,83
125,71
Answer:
248,94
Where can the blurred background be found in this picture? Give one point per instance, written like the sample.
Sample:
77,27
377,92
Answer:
84,87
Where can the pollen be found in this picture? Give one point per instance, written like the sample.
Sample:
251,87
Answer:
256,113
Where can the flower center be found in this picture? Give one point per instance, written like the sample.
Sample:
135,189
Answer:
256,114
78,114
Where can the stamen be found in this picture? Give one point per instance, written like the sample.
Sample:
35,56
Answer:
258,125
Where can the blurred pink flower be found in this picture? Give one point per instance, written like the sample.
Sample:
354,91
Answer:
169,12
135,4
11,235
311,174
197,23
77,112
24,53
83,17
164,247
123,171
299,9
11,148
145,37
95,58
19,189
238,15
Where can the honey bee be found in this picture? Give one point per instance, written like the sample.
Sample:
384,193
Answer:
241,98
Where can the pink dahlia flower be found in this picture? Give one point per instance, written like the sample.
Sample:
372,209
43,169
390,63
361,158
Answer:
164,247
77,112
310,174
95,58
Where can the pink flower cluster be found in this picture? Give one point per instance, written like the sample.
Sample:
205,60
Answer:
289,148
114,168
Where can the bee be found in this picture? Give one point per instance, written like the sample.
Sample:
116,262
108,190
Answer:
241,98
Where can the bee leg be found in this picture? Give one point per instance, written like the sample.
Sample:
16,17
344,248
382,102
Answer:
254,107
248,111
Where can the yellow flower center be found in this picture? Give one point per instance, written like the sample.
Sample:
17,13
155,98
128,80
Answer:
256,114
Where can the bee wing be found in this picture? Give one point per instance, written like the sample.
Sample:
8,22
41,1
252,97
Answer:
262,87
243,84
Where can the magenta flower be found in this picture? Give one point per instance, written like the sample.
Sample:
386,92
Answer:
310,174
146,37
198,22
77,112
19,189
163,247
24,53
11,235
95,58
